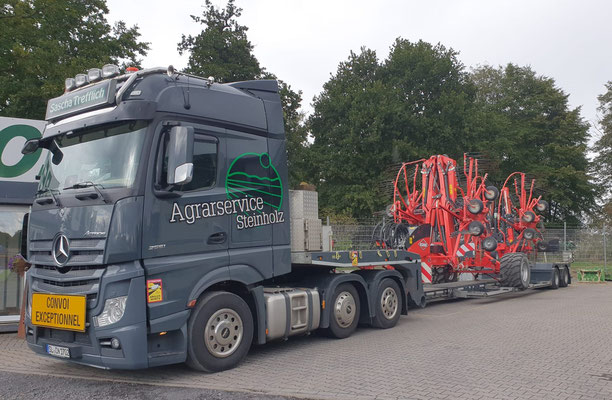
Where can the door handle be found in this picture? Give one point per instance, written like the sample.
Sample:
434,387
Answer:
217,238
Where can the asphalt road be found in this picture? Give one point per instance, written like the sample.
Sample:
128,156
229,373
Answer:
538,344
28,387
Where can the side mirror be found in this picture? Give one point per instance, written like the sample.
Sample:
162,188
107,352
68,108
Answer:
180,155
30,146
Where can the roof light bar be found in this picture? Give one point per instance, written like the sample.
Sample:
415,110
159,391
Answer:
110,70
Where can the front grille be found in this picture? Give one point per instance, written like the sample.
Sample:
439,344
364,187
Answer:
79,280
70,283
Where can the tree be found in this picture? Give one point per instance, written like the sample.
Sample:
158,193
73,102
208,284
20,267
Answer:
602,163
43,42
222,49
524,123
372,115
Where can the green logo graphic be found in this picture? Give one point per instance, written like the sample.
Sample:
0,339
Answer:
27,161
253,175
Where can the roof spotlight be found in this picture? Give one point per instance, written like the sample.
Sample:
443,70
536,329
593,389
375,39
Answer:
94,74
170,71
81,80
70,84
110,70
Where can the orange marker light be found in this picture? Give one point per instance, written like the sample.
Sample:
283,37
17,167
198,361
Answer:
162,333
323,304
191,303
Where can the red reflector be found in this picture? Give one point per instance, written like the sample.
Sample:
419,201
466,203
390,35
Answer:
131,69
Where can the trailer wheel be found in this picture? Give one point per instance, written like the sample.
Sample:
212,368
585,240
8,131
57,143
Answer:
388,304
555,282
345,311
564,280
514,271
220,332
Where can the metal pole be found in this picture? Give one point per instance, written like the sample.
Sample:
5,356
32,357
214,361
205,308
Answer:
605,250
564,236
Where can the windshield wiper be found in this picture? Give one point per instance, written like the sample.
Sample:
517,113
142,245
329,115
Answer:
47,200
86,184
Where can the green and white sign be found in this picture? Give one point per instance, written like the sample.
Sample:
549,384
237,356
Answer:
14,166
91,97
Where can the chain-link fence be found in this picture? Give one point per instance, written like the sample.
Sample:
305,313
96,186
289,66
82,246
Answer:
586,248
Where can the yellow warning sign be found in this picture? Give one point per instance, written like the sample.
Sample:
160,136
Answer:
154,291
354,258
59,311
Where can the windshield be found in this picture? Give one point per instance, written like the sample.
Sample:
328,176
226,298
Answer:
106,156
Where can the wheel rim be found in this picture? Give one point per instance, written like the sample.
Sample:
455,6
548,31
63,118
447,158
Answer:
223,333
565,277
389,303
524,272
344,309
557,278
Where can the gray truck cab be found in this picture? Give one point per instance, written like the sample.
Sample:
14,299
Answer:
119,203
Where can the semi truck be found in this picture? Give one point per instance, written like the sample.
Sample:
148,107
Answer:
163,231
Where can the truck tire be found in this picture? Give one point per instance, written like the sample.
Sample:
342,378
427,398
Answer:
514,271
388,304
563,277
556,279
344,314
220,332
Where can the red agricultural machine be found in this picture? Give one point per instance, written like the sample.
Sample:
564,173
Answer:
467,228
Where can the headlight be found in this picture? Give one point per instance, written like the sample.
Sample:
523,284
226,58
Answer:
113,311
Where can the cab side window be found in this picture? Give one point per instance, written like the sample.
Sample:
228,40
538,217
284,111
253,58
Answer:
204,164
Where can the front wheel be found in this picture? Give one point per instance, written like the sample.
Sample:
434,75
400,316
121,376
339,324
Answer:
345,311
220,332
564,281
388,304
555,282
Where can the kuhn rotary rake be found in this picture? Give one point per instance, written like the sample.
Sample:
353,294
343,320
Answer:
460,229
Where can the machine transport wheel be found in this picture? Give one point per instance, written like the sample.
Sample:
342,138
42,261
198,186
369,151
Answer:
564,279
514,271
388,304
542,205
528,216
491,193
475,206
476,228
556,280
529,233
541,246
344,312
220,332
489,244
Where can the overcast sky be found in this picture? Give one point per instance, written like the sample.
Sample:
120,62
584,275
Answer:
302,42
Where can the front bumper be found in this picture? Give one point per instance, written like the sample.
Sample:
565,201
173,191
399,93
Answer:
92,347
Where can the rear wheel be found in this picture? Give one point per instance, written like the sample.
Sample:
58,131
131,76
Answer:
388,304
554,284
514,271
345,311
220,332
564,280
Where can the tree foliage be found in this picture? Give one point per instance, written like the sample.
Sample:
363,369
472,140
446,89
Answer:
222,49
374,114
603,146
42,42
523,123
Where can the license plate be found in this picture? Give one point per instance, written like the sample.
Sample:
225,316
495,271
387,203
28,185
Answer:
59,311
58,351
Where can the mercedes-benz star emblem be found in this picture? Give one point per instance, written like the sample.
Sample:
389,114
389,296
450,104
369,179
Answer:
61,250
